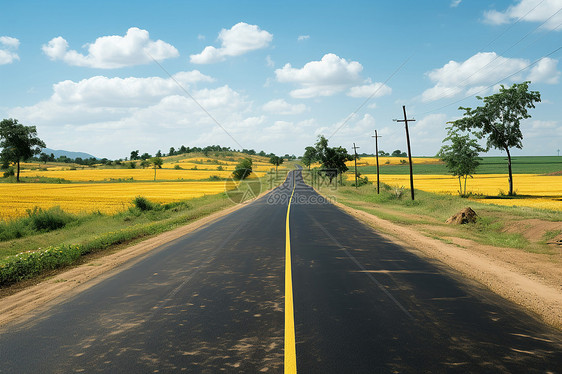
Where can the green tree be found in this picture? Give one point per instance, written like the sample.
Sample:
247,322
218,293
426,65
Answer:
157,163
44,157
276,160
134,155
144,164
18,143
333,159
309,156
243,169
461,156
499,119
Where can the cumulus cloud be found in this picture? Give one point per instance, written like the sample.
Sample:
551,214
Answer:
370,90
8,46
280,106
483,70
538,11
114,96
545,71
303,37
326,77
240,39
109,52
108,117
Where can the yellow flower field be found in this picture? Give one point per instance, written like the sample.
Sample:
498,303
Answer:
15,199
546,190
99,175
372,161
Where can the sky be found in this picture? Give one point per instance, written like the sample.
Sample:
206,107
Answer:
109,77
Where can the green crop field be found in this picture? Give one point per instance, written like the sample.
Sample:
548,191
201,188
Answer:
488,165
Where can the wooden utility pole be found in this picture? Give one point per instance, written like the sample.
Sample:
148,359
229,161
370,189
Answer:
355,152
377,156
405,120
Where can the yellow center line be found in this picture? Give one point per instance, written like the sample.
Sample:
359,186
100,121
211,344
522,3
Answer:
290,349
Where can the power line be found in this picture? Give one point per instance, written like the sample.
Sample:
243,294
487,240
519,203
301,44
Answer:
511,26
194,100
370,97
444,93
492,85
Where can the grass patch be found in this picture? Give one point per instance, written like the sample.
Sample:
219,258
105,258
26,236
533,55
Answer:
54,239
488,165
430,211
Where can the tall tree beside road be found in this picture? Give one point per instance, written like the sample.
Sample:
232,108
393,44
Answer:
18,143
499,119
243,169
309,156
461,156
276,160
333,159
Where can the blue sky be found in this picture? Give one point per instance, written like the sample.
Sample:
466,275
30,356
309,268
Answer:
109,77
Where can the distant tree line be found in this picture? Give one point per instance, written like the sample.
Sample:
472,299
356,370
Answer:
135,155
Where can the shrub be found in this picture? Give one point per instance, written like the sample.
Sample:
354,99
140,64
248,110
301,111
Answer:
28,264
178,167
214,178
48,220
143,204
9,172
361,181
243,169
397,192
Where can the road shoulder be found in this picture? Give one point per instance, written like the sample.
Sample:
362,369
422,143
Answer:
540,296
22,305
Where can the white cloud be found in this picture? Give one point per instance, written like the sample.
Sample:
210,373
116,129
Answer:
280,106
8,41
537,12
545,71
8,46
269,61
98,103
109,117
455,3
483,70
326,77
303,37
374,89
114,51
241,38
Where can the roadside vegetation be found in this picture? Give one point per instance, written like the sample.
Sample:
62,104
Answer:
49,239
60,212
429,212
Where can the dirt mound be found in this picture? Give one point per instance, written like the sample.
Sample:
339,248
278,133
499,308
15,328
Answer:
467,215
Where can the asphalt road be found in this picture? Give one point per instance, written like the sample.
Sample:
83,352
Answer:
214,301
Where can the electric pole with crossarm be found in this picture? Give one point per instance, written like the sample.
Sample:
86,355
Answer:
355,152
376,136
405,120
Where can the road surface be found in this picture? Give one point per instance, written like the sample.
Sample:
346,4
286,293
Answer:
214,301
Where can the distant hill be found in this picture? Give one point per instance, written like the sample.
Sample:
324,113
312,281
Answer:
69,154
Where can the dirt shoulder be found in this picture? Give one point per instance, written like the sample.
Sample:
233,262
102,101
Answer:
531,280
79,278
